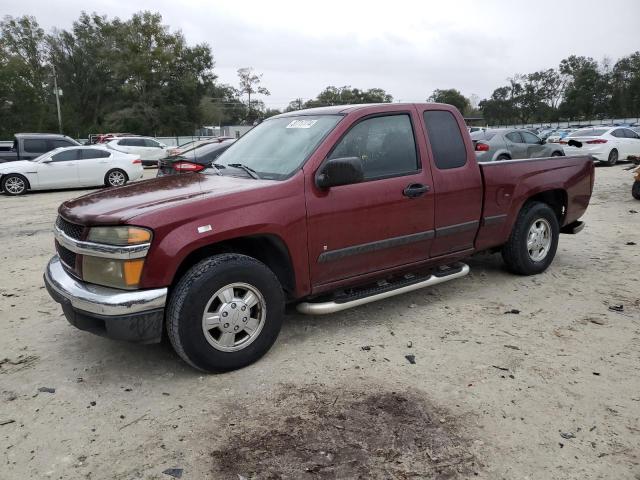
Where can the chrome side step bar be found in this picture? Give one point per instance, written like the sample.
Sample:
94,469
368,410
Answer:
323,308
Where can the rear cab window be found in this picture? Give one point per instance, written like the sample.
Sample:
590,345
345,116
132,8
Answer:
35,145
447,143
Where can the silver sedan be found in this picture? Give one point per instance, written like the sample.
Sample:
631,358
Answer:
509,144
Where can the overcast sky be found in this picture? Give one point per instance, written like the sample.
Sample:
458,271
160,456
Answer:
407,48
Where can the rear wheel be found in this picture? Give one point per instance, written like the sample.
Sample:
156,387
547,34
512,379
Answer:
613,158
533,241
503,157
14,184
635,190
115,178
225,312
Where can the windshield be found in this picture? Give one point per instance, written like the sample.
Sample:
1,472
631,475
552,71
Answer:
278,147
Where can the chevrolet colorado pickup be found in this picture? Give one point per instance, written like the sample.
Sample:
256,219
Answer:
27,146
326,208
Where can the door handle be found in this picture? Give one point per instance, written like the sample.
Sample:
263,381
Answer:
415,190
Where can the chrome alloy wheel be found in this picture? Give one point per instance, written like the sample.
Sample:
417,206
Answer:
539,239
116,179
234,317
15,185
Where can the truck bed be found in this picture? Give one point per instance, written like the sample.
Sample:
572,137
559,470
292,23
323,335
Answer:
508,184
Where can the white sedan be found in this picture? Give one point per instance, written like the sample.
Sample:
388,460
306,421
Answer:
606,144
148,149
70,167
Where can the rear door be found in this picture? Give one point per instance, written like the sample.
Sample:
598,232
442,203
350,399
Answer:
516,145
93,164
457,182
535,147
61,171
374,225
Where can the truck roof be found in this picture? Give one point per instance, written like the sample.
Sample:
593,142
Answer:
40,135
343,109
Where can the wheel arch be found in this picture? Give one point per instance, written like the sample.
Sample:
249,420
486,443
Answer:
267,248
26,179
557,199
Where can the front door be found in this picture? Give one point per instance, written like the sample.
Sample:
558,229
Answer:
535,147
61,171
383,222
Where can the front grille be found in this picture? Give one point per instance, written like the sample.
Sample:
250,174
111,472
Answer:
67,256
70,229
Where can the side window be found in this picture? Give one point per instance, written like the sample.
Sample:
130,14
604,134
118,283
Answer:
630,133
59,143
385,144
125,143
35,145
65,156
151,143
530,138
514,137
618,133
90,153
138,142
445,138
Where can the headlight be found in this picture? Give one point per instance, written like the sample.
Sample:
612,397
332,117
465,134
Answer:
119,235
112,273
115,272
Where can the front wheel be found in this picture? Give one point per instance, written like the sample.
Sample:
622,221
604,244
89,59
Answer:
14,184
115,178
533,241
225,313
635,190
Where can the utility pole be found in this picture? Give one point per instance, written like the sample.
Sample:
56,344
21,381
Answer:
57,92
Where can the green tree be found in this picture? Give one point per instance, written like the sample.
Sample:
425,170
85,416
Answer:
451,96
250,85
25,77
345,96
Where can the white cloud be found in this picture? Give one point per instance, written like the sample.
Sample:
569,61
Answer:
407,48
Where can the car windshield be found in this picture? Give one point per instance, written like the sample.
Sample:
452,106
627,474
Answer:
279,146
46,154
594,132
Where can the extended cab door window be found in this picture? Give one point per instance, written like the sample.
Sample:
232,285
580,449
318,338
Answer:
385,145
445,138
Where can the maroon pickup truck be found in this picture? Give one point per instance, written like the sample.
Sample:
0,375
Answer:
327,209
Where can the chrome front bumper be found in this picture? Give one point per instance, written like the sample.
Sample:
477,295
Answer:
99,300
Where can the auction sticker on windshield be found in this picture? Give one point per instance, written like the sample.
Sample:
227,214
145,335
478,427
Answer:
301,123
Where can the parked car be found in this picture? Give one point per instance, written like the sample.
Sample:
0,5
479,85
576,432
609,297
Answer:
149,150
70,167
511,144
558,135
545,133
607,144
27,146
193,160
328,208
96,138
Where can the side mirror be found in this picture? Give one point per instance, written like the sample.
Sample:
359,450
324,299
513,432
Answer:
340,171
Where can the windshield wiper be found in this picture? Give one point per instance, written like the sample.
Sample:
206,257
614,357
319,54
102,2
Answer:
252,173
217,167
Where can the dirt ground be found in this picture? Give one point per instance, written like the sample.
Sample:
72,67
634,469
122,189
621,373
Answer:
551,392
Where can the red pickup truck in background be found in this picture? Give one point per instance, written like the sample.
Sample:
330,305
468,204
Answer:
327,208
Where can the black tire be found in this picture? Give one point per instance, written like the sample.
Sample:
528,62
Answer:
14,184
613,158
191,297
635,190
113,174
557,154
503,157
515,252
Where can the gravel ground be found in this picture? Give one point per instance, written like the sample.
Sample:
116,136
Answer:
548,391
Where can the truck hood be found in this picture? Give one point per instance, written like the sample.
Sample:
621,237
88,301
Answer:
118,205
